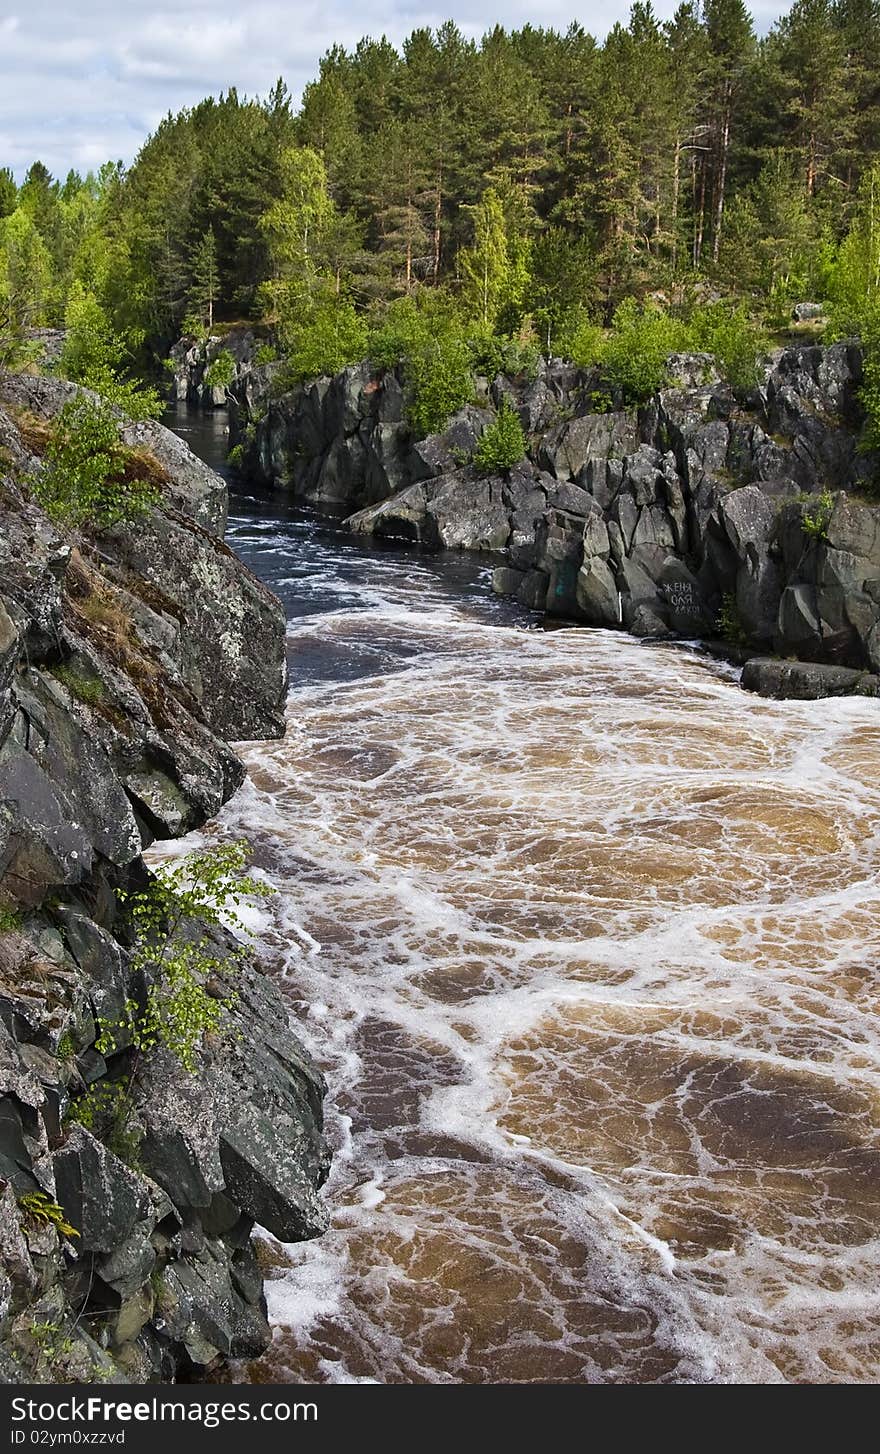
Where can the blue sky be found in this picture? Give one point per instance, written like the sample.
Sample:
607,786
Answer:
85,82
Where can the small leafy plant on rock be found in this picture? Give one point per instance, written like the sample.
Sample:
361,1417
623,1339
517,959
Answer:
40,1209
221,371
815,523
187,972
89,477
502,445
729,623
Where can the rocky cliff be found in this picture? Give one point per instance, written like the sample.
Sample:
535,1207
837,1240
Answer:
701,513
195,381
127,658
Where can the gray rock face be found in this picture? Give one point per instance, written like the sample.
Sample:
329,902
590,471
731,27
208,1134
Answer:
191,360
693,508
125,658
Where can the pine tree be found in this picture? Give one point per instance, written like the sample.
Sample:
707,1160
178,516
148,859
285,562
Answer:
204,291
8,193
730,37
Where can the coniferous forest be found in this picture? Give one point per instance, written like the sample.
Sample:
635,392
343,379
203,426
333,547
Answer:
686,180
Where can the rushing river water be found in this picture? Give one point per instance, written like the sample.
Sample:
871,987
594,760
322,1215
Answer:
586,941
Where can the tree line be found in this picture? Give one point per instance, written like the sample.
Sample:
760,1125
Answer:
528,183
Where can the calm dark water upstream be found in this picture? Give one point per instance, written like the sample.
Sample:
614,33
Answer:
586,940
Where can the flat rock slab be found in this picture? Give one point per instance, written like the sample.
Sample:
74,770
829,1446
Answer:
806,681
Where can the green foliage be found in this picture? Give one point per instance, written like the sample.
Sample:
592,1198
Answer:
730,624
51,1343
25,272
11,921
734,339
490,279
206,888
815,523
855,280
235,457
502,445
641,339
221,371
8,192
44,1212
266,353
869,394
66,1047
563,286
105,1109
427,337
205,288
321,335
581,340
87,476
84,685
440,381
855,298
93,355
186,1002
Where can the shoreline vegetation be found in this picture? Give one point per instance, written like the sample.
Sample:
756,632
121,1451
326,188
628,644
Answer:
459,207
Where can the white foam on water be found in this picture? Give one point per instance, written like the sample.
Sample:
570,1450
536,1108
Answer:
586,941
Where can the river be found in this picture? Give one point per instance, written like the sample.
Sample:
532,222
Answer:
586,941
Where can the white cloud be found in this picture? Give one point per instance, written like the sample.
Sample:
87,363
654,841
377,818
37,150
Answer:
81,84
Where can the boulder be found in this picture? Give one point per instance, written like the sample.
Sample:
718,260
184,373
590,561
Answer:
598,600
807,312
806,681
566,450
101,1197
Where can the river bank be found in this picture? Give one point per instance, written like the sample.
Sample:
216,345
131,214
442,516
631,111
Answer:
584,938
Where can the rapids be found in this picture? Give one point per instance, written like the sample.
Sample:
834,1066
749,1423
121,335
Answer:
586,941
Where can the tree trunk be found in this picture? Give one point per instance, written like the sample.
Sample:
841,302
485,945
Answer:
700,213
438,203
721,183
676,186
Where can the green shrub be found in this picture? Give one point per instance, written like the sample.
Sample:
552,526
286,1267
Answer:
581,340
220,371
869,393
321,336
93,355
183,969
440,383
815,524
642,338
503,444
521,355
88,475
429,340
733,338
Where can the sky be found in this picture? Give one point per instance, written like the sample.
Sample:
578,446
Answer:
86,82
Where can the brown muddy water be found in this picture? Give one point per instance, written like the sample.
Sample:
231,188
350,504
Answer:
586,941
